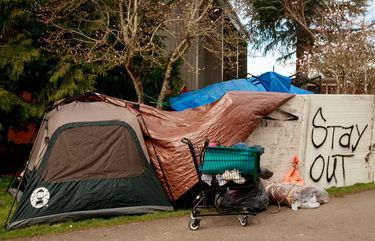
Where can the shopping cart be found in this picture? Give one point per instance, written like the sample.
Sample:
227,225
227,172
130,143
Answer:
220,170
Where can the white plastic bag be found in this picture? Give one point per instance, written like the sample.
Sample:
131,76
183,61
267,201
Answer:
296,196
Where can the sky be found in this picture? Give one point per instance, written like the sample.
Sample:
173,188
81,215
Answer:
258,65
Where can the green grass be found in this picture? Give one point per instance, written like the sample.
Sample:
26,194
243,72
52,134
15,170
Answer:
84,224
6,200
359,187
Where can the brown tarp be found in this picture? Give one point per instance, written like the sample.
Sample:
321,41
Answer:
229,120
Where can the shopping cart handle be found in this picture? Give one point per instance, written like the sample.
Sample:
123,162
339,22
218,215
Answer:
186,141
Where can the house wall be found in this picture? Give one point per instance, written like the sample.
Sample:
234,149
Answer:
210,68
26,134
189,68
332,135
201,67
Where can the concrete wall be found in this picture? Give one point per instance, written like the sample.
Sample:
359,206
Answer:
332,135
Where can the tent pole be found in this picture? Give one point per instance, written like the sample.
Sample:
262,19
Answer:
15,196
22,177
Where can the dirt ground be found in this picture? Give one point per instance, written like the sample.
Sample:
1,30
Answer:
351,217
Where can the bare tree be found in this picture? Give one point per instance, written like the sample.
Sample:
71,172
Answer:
205,22
344,50
187,17
111,33
118,32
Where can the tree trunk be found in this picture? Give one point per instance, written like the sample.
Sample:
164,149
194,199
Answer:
137,83
179,51
338,86
304,44
165,87
139,89
4,133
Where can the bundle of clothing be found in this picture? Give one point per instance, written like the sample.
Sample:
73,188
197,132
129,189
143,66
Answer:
296,196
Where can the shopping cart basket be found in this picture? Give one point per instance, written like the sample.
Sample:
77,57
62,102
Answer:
221,169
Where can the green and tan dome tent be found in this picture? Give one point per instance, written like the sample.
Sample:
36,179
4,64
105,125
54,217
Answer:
89,159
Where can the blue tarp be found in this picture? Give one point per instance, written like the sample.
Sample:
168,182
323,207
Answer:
269,81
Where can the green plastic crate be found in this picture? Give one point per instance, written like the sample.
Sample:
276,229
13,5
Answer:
218,159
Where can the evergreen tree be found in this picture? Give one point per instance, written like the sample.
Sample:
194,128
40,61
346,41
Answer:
16,52
26,66
287,26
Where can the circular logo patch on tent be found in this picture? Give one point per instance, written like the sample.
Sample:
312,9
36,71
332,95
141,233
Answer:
39,198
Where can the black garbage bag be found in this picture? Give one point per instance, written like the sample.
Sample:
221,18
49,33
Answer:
265,173
253,197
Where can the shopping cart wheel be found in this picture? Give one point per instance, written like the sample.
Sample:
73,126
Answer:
195,213
194,224
243,219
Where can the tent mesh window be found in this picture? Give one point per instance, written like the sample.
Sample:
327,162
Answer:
93,152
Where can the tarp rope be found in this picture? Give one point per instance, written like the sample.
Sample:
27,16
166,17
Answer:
152,100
